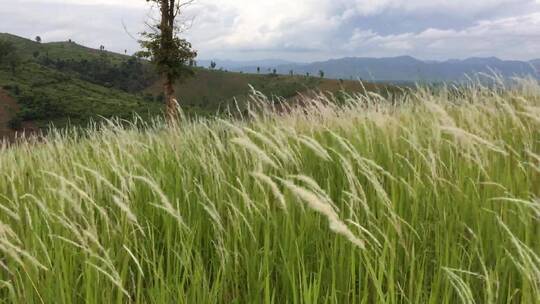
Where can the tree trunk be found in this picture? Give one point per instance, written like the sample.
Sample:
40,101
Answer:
167,36
171,106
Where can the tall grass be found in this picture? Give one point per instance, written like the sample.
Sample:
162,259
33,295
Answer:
432,197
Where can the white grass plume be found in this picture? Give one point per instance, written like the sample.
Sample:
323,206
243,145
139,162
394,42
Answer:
316,204
273,187
253,148
165,202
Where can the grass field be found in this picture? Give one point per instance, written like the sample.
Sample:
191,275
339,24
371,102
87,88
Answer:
431,198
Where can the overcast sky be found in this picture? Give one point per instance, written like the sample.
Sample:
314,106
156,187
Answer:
298,30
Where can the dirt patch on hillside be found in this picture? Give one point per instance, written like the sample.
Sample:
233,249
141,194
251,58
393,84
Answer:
8,109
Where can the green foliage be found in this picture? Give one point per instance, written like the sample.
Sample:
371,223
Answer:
38,106
130,75
9,56
6,49
47,95
173,58
15,89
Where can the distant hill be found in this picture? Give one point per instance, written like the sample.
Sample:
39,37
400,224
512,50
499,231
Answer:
536,64
67,83
238,65
48,87
405,68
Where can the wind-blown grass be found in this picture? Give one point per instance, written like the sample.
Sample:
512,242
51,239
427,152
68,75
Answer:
430,198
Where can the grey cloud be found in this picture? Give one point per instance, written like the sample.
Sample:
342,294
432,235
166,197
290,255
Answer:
302,30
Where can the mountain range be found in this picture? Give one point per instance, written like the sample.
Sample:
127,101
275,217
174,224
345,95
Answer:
393,69
536,64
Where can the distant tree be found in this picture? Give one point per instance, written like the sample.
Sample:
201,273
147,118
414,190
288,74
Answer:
213,65
125,52
307,74
168,51
274,72
321,73
69,40
102,48
35,54
258,70
38,39
291,72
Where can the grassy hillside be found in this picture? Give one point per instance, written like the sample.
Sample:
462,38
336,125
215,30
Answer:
431,199
64,82
66,50
47,95
213,90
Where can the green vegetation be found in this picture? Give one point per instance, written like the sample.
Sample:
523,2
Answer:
47,95
64,83
432,198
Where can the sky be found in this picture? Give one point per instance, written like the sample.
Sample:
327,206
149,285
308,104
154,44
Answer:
297,30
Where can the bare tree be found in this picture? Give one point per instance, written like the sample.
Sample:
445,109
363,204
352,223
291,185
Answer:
168,51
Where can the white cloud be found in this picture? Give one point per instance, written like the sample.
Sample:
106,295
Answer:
513,37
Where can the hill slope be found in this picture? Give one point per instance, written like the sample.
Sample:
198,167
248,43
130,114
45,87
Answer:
8,108
63,82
